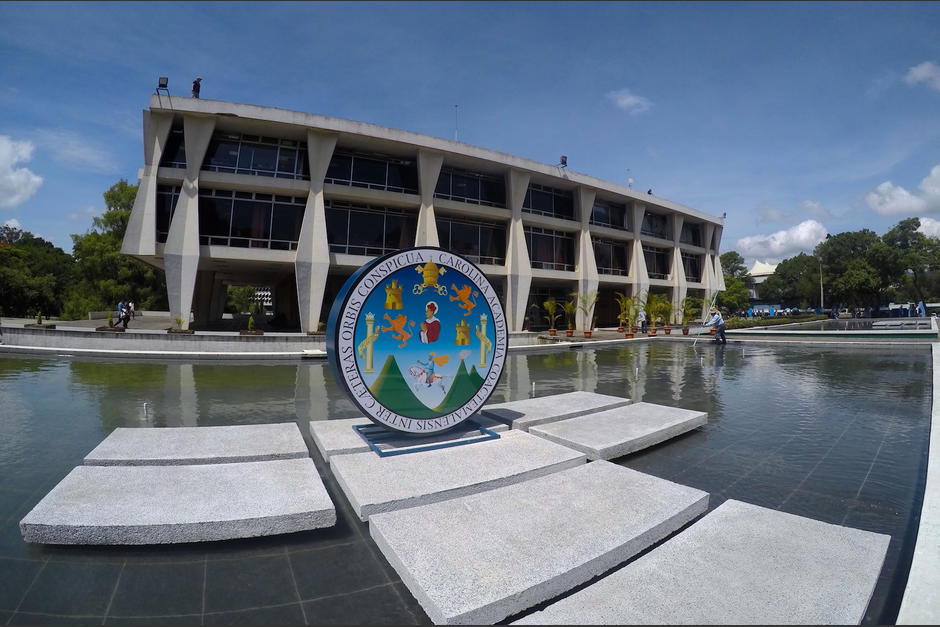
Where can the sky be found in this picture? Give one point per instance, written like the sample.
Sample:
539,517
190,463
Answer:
794,119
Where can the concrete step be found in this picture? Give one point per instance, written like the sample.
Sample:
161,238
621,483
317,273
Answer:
376,484
617,432
199,445
168,504
740,564
481,558
337,437
536,411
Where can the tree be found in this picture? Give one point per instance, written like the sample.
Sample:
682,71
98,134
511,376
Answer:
104,275
732,264
916,252
33,274
239,299
734,297
859,267
795,282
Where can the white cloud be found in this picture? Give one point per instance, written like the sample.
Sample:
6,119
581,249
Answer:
801,238
891,199
16,184
13,223
930,227
927,72
629,102
72,150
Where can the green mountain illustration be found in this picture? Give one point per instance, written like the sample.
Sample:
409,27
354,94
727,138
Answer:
475,376
461,390
391,389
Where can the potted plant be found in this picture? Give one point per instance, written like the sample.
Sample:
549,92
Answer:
110,326
179,327
251,330
661,311
623,317
570,307
551,314
690,309
39,323
586,303
629,308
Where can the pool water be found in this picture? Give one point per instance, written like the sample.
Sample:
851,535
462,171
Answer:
835,434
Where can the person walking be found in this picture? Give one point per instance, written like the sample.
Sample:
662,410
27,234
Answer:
120,314
130,305
719,323
641,318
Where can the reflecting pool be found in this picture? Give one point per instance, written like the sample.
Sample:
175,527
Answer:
835,434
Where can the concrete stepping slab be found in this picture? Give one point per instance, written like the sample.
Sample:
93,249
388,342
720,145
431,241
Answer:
199,445
337,437
168,504
376,484
536,411
481,558
617,432
740,564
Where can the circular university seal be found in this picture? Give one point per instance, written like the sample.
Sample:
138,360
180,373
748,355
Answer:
418,339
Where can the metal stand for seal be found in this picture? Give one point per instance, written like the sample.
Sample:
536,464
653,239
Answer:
375,436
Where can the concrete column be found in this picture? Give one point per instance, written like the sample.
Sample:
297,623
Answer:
181,255
588,277
203,297
680,285
639,273
218,299
429,169
140,238
518,267
312,263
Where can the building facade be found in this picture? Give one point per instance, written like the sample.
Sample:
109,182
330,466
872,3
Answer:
234,194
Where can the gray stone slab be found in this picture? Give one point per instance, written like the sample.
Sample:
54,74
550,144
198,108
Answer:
167,504
481,558
618,432
376,484
741,564
199,445
337,437
543,409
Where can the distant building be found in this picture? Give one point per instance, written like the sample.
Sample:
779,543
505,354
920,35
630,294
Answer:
759,273
235,194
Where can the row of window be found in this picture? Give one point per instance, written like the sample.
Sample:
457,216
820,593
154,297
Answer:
255,220
283,158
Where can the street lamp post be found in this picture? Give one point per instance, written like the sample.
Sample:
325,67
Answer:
820,287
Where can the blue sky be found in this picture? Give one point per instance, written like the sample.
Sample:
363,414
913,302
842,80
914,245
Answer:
796,119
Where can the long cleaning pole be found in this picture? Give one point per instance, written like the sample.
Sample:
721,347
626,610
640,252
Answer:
698,335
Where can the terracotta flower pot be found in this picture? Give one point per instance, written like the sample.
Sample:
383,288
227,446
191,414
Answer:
685,330
620,329
668,330
569,332
628,335
651,332
587,333
713,331
552,332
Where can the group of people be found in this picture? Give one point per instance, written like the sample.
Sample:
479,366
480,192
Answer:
125,311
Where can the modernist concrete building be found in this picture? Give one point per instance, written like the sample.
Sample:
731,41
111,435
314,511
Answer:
234,194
